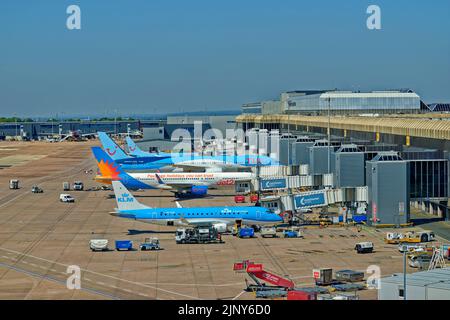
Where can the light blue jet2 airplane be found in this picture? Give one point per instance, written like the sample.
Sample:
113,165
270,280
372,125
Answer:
219,217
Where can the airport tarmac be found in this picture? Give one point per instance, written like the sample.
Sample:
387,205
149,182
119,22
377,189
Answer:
40,237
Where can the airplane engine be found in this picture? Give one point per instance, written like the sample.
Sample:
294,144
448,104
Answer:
220,227
194,191
199,190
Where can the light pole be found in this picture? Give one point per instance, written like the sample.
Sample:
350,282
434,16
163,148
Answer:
329,136
404,271
289,188
15,120
115,121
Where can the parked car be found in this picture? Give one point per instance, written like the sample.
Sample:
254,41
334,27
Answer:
65,197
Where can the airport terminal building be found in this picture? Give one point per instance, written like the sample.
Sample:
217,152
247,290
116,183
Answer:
384,152
316,102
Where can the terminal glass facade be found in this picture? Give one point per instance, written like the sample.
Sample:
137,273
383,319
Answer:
370,102
429,179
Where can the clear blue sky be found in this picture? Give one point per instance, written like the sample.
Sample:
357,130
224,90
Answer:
155,56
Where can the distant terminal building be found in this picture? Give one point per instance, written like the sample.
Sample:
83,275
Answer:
317,102
252,108
218,122
436,107
355,102
41,129
164,136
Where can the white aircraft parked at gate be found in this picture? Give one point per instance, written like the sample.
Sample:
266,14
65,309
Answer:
195,183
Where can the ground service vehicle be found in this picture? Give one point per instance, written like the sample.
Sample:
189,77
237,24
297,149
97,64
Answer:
290,233
124,245
409,237
301,295
14,184
364,247
246,233
419,260
268,232
150,244
36,189
349,275
410,248
254,198
78,186
64,197
98,244
66,186
206,234
323,276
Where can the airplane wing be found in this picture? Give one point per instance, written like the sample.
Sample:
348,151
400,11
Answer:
179,188
202,222
174,187
190,167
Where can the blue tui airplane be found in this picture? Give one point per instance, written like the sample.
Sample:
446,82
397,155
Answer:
186,161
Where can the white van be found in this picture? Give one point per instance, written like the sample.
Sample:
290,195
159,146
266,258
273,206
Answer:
65,197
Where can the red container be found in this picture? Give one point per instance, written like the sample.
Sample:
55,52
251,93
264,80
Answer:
239,199
254,198
300,295
238,266
255,267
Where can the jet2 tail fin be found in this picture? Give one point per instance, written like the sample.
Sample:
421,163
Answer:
125,200
106,165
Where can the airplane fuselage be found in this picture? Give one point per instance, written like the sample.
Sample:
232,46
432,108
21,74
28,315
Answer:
213,215
225,162
194,178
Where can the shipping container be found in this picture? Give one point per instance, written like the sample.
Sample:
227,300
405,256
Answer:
323,276
124,245
349,275
301,295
